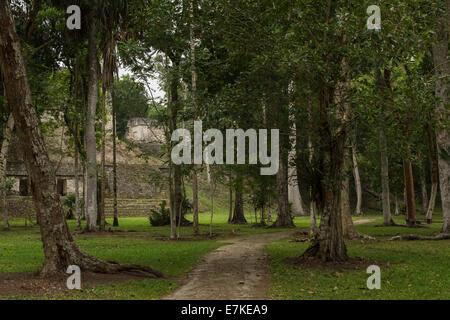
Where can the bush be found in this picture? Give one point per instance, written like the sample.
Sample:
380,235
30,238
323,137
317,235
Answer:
160,217
69,206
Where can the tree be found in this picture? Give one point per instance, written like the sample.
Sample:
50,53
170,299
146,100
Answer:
442,71
7,133
90,138
60,250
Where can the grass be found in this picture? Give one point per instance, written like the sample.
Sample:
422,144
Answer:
21,251
415,270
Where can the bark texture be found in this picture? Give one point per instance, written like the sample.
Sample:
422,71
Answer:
410,199
91,142
434,171
442,70
357,178
238,214
7,133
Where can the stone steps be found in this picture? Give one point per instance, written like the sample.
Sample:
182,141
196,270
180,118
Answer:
132,207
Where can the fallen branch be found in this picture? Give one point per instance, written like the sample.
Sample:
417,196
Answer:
440,236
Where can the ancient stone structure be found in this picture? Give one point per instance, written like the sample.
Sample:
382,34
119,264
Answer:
146,134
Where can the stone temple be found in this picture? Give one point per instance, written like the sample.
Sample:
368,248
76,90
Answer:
141,172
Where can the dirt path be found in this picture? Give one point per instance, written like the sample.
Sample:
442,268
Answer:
356,222
239,271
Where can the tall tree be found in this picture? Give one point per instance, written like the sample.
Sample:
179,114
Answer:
90,138
60,250
442,71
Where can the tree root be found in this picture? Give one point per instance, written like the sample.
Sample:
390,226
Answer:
394,224
72,255
355,235
440,236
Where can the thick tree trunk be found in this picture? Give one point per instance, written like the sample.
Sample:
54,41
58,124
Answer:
60,250
238,215
357,178
7,133
409,185
91,142
328,243
284,218
442,70
294,194
348,229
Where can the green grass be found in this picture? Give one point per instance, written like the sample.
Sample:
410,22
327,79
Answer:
21,251
416,270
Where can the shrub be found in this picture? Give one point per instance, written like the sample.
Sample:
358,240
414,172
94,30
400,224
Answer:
69,206
160,217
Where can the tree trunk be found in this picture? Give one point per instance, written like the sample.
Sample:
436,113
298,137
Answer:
329,242
434,171
76,151
442,71
357,178
424,193
91,143
175,170
294,194
7,133
60,250
230,205
397,211
238,215
409,185
77,193
194,103
195,201
384,177
312,201
114,136
348,229
103,162
284,218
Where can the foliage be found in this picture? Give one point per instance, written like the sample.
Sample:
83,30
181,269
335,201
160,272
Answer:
160,217
69,206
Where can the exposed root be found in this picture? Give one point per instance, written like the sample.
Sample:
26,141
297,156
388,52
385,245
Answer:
394,224
355,235
74,256
440,236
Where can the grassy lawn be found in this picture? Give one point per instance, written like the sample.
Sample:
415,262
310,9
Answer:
21,251
416,270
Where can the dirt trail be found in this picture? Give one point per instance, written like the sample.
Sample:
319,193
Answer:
239,271
356,222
